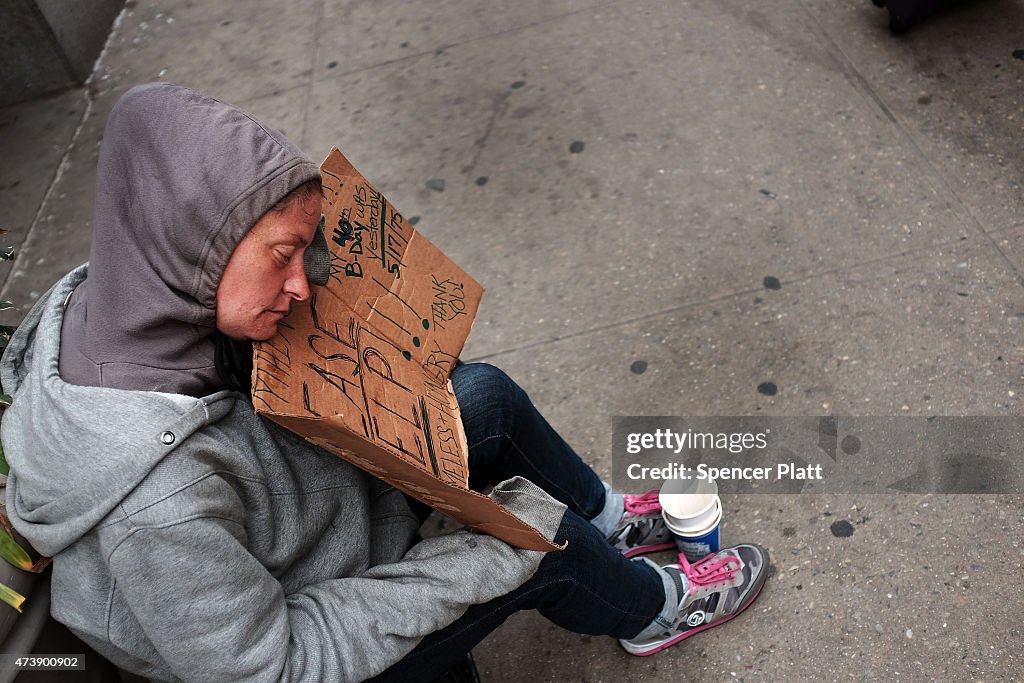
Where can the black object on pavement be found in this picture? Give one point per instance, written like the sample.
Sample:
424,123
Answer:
905,13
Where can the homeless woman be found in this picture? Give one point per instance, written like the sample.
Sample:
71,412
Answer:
194,540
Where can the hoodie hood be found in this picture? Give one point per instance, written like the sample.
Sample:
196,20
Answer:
181,179
77,451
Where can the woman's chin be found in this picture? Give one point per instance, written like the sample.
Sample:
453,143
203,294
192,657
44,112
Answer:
263,335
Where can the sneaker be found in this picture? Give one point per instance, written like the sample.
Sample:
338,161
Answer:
641,528
717,588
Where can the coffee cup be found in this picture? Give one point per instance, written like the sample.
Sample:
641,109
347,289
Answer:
692,511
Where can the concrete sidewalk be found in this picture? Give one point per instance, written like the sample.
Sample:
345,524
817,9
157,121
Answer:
677,208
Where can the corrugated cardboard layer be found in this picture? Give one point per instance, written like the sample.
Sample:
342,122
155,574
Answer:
362,368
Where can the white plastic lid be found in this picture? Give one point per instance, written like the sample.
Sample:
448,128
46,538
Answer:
686,499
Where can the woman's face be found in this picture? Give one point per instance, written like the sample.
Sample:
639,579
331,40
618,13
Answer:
265,272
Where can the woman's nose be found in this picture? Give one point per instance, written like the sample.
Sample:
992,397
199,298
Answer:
297,286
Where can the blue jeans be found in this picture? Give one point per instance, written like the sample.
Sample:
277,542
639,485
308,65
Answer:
588,587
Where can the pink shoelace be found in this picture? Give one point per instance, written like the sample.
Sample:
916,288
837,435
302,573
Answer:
710,571
643,503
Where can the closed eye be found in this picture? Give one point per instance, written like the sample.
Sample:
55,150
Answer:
284,255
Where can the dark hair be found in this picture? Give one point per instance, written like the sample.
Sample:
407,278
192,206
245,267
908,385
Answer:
307,190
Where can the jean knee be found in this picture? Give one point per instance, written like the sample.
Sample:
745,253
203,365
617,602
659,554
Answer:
482,384
491,403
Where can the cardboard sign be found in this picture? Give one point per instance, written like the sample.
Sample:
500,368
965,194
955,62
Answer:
362,368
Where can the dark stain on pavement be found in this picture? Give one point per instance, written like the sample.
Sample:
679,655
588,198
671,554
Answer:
638,367
771,282
518,84
436,184
789,531
768,388
576,147
413,220
842,529
481,181
1018,54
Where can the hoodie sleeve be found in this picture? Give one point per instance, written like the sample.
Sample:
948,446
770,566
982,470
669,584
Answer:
214,613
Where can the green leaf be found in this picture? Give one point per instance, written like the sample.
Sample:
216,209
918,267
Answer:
6,332
7,254
11,596
5,400
14,553
5,469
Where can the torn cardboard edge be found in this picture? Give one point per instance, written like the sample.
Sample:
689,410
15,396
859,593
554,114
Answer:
362,368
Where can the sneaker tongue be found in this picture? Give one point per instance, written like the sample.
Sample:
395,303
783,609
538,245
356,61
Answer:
681,583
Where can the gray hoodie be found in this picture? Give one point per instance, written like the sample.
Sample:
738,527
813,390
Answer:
192,539
181,179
